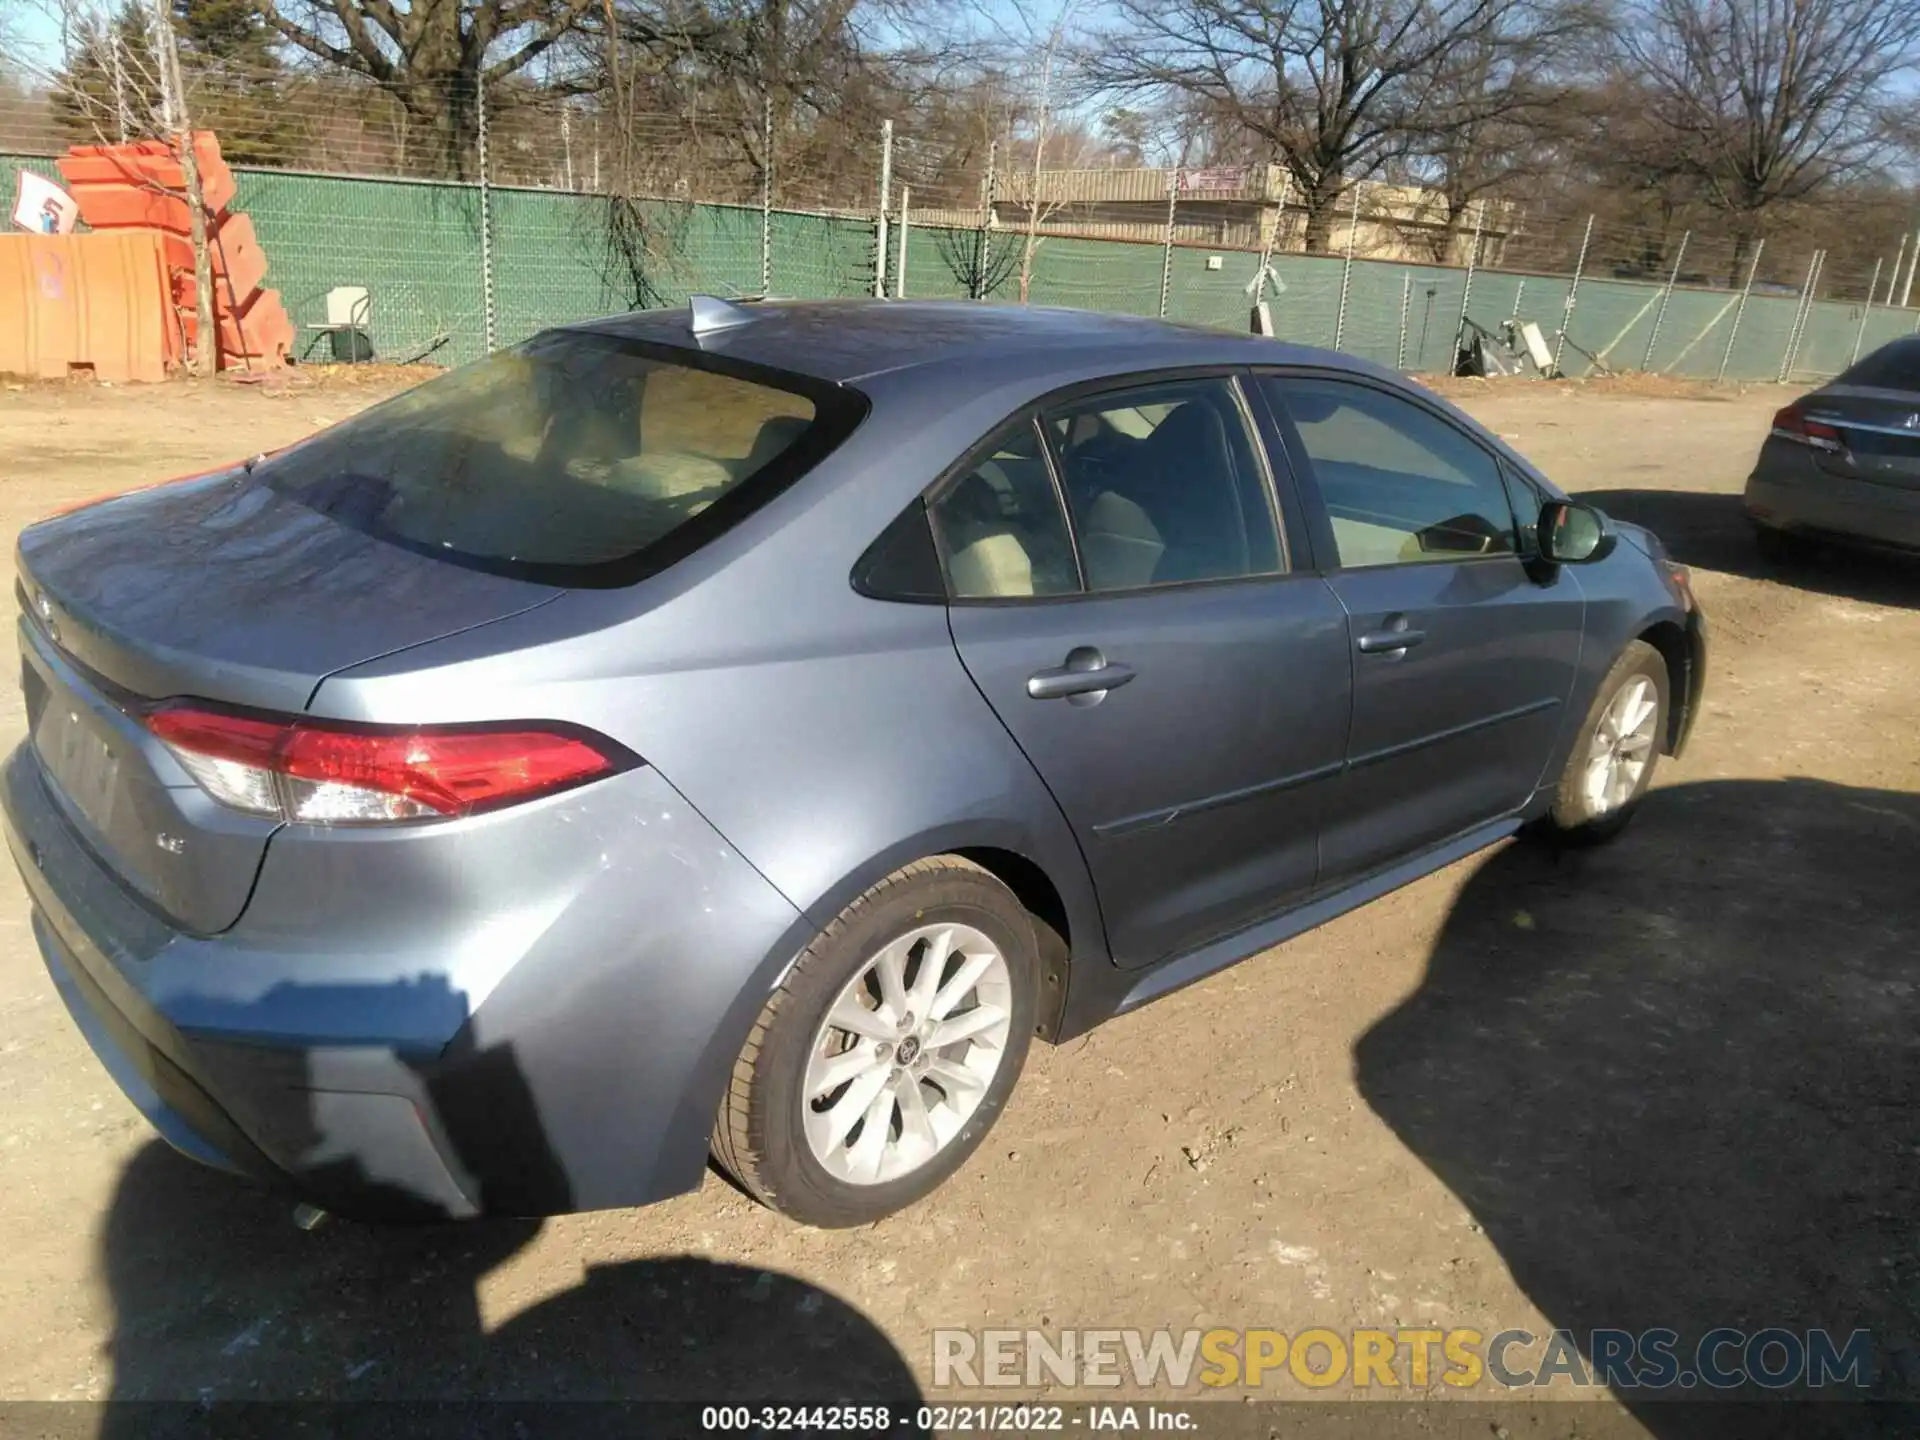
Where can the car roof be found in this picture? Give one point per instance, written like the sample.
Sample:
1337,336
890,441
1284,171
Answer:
850,340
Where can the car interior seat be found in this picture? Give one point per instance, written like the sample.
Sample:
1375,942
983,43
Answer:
773,439
1176,493
1119,543
984,555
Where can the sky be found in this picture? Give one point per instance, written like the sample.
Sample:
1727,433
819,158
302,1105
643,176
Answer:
35,33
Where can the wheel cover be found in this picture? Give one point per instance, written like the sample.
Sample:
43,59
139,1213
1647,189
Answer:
1622,746
907,1053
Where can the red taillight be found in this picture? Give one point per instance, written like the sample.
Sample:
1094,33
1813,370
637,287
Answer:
325,771
1792,424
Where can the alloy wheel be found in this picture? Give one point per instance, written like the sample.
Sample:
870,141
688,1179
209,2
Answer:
1622,746
907,1053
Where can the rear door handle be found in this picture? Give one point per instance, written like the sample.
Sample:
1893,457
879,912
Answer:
1396,639
1087,673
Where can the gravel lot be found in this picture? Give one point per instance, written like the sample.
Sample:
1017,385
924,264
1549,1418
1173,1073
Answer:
1667,1083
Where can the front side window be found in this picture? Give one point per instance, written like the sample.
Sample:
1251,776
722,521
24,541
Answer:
1164,486
999,527
1401,485
574,451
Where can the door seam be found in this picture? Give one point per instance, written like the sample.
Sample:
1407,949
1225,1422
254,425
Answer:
1086,864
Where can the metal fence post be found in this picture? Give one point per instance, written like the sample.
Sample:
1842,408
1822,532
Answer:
1866,311
1913,263
1666,295
1346,269
120,109
1466,290
1800,317
1166,249
1893,280
1726,357
880,222
487,317
766,196
1573,293
981,279
900,264
1270,240
1406,300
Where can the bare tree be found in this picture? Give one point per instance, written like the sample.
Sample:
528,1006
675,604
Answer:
977,269
431,57
1051,45
1497,114
138,45
1332,89
1765,103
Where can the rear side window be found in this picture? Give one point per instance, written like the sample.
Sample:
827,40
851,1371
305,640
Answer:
1164,486
575,458
1891,367
999,526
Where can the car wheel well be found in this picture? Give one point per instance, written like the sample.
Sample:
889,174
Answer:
1035,891
1671,641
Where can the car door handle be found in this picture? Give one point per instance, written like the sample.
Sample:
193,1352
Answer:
1389,642
1087,672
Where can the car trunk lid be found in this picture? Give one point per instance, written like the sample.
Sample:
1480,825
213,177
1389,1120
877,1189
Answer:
1879,434
221,589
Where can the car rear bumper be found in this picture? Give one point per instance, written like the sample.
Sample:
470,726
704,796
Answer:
587,1075
1883,516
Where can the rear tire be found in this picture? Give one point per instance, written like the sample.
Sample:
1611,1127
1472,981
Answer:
1618,748
843,1124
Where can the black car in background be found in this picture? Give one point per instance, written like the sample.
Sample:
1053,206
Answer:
1843,463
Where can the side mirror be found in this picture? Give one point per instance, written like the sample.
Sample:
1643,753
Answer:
1574,534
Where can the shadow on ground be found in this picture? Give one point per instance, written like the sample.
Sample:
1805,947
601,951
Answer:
1674,1079
1712,531
218,1297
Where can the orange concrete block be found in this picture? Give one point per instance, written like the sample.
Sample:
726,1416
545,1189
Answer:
265,332
238,261
114,185
95,304
260,330
237,256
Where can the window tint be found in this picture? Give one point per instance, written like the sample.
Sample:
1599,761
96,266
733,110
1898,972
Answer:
1164,486
999,526
1891,367
573,450
1401,485
1526,501
902,563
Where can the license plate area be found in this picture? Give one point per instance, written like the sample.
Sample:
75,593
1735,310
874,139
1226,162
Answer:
81,760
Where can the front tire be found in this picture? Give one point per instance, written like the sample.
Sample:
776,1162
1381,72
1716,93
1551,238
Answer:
885,1055
1613,760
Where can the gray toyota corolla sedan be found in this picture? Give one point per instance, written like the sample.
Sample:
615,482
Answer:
739,730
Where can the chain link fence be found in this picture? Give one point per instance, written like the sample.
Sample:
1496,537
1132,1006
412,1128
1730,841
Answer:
564,207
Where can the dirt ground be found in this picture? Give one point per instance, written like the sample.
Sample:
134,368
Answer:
1671,1082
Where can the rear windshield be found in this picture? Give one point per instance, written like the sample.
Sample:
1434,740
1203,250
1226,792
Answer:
1891,367
576,458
